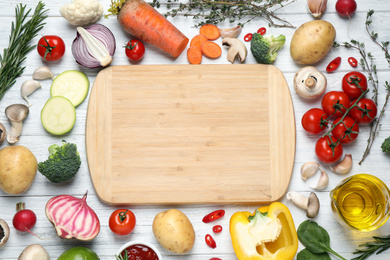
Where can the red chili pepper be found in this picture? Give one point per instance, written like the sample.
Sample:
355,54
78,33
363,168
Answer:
217,229
262,31
248,37
353,62
333,65
214,216
215,258
210,241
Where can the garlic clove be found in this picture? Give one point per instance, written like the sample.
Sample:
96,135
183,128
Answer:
309,169
28,87
344,166
317,7
230,32
322,181
42,73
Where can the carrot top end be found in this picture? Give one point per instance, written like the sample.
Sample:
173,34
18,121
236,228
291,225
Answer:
115,7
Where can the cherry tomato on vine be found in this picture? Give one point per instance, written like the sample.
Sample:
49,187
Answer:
217,214
51,47
135,50
333,65
314,120
353,62
354,84
122,222
262,31
335,103
217,229
210,241
346,131
329,149
365,111
248,37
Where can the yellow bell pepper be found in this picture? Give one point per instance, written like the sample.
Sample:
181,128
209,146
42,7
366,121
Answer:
269,233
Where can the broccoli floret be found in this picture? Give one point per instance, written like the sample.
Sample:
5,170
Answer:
386,145
63,162
264,49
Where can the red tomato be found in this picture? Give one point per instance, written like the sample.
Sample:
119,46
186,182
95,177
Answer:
262,31
335,103
135,50
365,111
122,222
354,84
51,47
314,120
345,131
328,149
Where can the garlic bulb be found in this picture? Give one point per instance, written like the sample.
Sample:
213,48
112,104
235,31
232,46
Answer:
317,7
27,88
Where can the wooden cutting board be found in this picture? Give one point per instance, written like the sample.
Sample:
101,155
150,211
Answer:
194,134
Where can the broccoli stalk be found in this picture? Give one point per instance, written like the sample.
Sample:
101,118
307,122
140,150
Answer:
264,49
386,145
63,162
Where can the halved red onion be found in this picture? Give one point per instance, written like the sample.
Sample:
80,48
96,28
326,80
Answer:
96,51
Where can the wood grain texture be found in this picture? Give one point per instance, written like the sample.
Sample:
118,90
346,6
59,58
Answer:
190,134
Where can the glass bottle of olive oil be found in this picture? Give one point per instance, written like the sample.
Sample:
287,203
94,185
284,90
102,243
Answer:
361,202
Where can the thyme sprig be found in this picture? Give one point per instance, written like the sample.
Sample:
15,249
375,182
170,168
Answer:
218,11
22,32
378,245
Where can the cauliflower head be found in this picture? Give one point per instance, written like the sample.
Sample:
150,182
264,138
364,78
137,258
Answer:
82,12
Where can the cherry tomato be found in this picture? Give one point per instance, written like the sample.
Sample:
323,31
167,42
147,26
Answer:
51,47
365,111
335,103
314,120
328,149
210,241
135,50
213,216
333,65
353,62
354,84
345,131
262,31
248,37
122,222
217,229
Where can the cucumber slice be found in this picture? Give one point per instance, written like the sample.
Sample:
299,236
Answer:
58,115
72,84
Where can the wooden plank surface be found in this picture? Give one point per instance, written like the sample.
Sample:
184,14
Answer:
190,134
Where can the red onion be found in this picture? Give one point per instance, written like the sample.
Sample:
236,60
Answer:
96,51
72,217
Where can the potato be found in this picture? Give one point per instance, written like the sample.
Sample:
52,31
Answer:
174,231
312,41
18,167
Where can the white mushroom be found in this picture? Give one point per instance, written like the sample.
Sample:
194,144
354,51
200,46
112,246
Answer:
16,113
311,204
34,252
230,32
3,133
236,48
4,232
28,87
344,166
309,82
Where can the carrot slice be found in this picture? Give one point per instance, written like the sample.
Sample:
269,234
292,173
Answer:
211,50
198,40
210,31
194,55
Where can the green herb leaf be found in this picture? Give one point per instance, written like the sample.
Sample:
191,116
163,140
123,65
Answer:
307,255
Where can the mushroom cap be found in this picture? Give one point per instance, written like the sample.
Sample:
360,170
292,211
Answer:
17,112
313,205
5,230
3,133
236,48
309,82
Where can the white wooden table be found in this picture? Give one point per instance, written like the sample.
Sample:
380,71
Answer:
106,243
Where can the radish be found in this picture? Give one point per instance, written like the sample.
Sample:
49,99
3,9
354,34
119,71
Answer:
24,219
346,8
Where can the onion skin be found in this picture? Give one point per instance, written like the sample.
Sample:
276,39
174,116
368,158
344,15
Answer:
72,217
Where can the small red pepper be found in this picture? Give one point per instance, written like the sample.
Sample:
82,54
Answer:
333,65
248,37
217,229
213,216
262,31
215,258
353,62
210,241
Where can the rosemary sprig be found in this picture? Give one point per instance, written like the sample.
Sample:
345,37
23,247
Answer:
379,245
22,32
218,11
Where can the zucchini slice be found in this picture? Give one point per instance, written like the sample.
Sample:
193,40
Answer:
58,115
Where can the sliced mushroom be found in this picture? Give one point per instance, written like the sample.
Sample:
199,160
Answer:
311,204
236,48
309,82
4,232
16,113
3,133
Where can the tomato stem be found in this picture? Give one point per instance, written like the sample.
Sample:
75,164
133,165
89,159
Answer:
48,48
122,215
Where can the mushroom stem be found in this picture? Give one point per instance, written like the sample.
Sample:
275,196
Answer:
311,204
310,82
